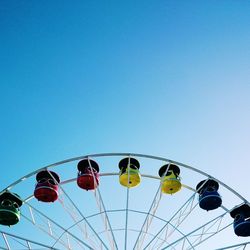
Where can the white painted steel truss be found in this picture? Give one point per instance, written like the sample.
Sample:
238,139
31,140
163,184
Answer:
82,233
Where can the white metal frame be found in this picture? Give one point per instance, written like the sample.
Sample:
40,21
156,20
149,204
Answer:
198,235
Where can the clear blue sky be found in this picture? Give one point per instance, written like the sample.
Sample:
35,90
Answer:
168,78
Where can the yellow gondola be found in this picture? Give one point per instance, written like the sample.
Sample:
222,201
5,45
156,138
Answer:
169,174
129,175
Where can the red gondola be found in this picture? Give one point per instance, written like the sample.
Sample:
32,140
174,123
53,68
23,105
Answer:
88,174
46,189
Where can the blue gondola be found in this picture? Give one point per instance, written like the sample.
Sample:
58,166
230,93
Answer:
209,198
241,215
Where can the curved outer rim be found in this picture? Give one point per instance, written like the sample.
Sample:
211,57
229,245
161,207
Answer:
129,155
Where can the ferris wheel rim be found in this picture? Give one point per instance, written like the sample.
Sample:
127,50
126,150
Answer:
68,160
169,161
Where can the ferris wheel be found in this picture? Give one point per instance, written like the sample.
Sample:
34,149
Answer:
122,201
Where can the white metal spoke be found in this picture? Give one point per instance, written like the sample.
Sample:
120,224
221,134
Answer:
127,205
107,225
179,216
6,241
22,241
209,228
102,208
241,246
137,230
80,213
209,234
115,226
146,224
48,231
75,217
